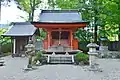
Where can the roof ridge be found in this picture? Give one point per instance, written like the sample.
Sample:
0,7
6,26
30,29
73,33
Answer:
59,11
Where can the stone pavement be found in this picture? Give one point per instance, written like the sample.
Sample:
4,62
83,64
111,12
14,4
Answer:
13,70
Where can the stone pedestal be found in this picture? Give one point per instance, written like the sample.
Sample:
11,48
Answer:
92,58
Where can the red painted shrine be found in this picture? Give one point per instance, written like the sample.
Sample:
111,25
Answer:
60,26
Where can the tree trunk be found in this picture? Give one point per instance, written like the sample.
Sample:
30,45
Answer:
29,19
95,27
95,34
32,6
95,20
33,9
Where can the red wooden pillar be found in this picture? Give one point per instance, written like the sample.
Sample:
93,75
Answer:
75,44
45,44
48,37
71,39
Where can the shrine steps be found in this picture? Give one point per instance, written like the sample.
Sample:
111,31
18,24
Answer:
60,59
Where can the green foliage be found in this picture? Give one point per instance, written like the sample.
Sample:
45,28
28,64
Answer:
28,6
108,31
42,35
6,48
112,10
82,45
99,12
5,42
82,57
83,35
37,56
90,10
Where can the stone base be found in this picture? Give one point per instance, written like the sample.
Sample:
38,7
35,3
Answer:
95,67
29,69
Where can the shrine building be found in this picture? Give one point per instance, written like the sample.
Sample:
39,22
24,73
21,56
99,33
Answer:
59,25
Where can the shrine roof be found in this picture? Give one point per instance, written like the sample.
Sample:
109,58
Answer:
21,29
60,16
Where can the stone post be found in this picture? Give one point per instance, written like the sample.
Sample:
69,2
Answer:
92,53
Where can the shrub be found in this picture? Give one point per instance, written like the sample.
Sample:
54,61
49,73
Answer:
6,48
81,58
39,57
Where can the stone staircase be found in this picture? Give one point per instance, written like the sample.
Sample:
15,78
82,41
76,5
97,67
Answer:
60,59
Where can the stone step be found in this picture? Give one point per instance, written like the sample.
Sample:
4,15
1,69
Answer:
60,59
59,62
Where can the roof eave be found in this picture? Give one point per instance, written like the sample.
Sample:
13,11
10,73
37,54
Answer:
16,35
52,22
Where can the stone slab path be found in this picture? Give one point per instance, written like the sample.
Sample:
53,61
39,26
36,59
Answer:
14,70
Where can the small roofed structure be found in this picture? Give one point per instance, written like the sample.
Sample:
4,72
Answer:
20,34
60,26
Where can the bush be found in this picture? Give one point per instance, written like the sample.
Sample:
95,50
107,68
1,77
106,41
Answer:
39,57
81,58
6,48
82,46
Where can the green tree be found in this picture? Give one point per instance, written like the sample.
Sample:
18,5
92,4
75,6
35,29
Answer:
90,10
42,35
112,10
83,35
3,40
28,6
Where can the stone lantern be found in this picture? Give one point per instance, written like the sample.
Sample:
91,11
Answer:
30,51
92,57
92,53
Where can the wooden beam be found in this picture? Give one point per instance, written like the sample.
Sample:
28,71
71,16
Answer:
52,25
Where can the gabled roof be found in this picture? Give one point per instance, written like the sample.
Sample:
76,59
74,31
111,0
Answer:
21,29
60,16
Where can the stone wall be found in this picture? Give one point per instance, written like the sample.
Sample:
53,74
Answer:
109,54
